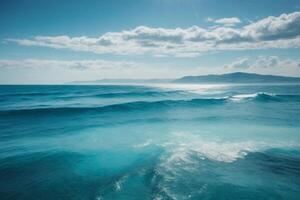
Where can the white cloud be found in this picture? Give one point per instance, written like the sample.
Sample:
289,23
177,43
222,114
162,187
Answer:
67,64
240,63
232,21
58,71
36,71
266,65
271,32
285,26
210,19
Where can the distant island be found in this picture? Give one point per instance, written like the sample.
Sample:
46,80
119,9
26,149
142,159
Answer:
236,77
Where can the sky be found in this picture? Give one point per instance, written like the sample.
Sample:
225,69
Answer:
58,41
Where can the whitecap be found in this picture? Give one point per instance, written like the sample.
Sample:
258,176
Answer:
240,97
182,145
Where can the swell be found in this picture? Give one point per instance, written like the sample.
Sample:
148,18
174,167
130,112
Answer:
31,94
146,105
63,95
129,94
122,107
265,97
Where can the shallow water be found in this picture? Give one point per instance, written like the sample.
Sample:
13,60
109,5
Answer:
162,141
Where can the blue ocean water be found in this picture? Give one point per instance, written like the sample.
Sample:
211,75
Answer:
159,142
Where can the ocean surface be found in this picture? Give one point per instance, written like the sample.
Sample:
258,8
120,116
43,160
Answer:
160,142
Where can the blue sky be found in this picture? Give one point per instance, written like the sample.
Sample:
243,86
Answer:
57,41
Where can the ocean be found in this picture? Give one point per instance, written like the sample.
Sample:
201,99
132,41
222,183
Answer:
159,141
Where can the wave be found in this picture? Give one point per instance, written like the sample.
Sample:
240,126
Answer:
187,156
137,105
29,94
146,105
260,96
76,95
129,94
264,97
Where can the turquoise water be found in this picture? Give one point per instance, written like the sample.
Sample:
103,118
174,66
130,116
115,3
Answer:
150,142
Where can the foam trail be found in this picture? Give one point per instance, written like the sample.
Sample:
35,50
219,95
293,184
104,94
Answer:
183,144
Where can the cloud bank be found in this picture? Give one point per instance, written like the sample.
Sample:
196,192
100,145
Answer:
67,64
271,32
264,62
58,71
266,65
257,64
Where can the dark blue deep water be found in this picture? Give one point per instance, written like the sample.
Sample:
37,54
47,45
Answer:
160,142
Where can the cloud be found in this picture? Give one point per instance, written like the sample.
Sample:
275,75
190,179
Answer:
240,63
67,64
271,32
266,64
286,26
209,19
58,71
232,21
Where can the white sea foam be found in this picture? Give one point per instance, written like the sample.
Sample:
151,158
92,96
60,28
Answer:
179,161
120,182
180,146
184,144
240,97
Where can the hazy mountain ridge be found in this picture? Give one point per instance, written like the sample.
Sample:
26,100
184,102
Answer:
237,77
